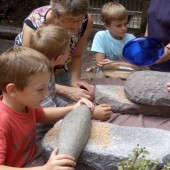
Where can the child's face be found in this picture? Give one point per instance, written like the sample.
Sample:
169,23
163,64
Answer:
118,29
34,93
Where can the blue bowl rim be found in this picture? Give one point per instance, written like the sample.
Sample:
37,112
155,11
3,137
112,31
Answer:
139,39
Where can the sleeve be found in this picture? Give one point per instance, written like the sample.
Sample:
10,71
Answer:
130,37
60,102
98,43
39,114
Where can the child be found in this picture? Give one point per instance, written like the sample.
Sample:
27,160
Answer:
108,44
53,42
24,78
73,16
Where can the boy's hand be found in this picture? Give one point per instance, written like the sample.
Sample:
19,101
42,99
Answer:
168,86
102,112
104,62
85,101
57,162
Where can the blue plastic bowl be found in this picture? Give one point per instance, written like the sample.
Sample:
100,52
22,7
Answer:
143,51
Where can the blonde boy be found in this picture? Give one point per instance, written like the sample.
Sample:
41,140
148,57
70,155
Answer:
108,44
53,41
24,77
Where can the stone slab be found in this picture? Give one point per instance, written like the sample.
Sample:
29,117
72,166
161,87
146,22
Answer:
109,144
115,96
148,87
9,32
5,44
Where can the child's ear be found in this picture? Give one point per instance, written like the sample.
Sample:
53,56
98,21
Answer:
11,89
57,60
105,25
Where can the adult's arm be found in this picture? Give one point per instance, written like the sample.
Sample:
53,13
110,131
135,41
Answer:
75,64
79,88
27,31
73,93
146,31
166,55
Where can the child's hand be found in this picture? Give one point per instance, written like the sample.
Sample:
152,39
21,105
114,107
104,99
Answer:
85,101
102,112
104,62
57,162
168,86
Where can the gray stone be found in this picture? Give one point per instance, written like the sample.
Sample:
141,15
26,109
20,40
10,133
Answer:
148,87
75,131
5,45
115,96
9,32
109,144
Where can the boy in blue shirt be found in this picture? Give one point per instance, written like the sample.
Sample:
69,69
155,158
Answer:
108,44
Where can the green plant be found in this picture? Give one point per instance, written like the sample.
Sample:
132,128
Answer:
166,167
138,161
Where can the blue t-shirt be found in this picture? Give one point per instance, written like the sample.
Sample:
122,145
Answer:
104,43
158,18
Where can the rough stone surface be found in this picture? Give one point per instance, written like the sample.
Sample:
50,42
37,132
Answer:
109,144
148,87
75,131
115,96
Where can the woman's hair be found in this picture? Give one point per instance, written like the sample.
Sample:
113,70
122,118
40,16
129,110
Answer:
19,64
113,11
50,40
73,7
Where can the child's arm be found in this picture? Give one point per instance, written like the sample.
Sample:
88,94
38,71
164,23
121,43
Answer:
107,64
100,57
53,114
55,162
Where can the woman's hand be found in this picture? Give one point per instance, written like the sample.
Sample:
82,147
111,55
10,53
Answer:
165,56
59,162
88,88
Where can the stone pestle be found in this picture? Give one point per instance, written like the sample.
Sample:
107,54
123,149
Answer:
75,131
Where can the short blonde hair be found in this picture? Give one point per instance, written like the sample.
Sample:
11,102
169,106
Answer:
113,11
73,7
50,40
19,64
